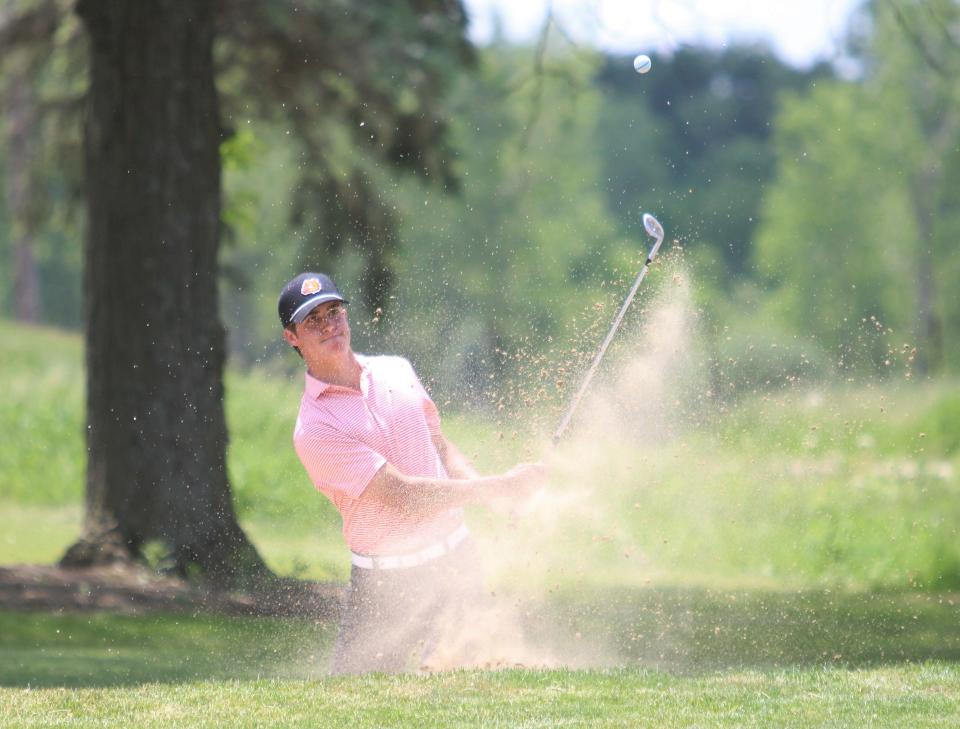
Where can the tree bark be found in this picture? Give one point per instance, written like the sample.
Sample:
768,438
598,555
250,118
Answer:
927,185
928,327
155,349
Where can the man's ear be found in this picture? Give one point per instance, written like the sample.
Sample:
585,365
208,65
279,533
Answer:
291,337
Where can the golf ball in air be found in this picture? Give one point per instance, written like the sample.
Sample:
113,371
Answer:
642,63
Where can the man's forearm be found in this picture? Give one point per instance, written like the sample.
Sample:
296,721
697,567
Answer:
426,495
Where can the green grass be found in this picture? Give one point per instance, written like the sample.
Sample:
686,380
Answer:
914,696
41,448
111,650
885,419
679,630
98,670
698,509
35,534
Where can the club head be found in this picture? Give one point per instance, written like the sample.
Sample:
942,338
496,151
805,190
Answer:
653,228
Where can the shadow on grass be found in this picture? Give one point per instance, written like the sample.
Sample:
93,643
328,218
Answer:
100,650
691,630
676,630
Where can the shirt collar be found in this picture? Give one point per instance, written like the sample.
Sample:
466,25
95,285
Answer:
315,387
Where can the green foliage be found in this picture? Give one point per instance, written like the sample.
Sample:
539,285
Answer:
852,184
352,86
861,219
526,248
359,90
512,278
833,254
498,264
755,355
41,84
238,154
691,142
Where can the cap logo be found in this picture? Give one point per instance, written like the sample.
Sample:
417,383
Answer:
310,286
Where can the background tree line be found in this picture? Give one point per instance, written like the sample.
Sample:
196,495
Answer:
821,200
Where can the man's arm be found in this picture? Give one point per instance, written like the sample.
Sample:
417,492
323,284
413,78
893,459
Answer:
422,495
457,464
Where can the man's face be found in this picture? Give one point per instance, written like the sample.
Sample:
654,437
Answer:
324,333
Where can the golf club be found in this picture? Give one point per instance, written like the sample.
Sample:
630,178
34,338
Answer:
654,229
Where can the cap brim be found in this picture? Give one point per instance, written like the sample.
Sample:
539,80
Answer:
310,304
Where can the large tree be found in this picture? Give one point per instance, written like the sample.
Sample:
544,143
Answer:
335,71
156,431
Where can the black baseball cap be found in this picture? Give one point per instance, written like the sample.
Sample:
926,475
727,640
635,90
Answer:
300,295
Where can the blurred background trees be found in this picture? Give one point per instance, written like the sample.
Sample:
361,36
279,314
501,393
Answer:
816,209
862,218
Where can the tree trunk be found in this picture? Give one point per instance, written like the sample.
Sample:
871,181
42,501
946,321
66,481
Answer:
927,197
928,328
156,430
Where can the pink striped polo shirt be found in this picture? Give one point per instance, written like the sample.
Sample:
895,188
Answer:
344,436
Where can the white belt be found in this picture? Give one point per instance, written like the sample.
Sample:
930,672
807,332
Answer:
399,561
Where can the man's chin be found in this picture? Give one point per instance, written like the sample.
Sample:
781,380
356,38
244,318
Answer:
338,342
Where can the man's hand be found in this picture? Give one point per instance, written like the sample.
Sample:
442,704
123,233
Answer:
523,480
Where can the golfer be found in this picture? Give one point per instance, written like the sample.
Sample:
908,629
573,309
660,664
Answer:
369,437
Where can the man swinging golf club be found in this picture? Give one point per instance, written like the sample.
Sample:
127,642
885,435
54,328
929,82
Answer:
370,439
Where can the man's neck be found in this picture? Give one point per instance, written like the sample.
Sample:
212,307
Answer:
344,371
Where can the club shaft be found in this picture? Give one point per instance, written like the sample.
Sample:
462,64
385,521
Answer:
568,415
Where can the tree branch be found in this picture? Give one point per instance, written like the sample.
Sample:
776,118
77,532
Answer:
29,26
915,38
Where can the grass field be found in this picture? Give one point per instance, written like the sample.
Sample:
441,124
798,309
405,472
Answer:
785,660
903,696
791,561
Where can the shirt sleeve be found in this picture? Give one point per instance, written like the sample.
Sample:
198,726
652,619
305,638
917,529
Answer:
430,412
336,462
